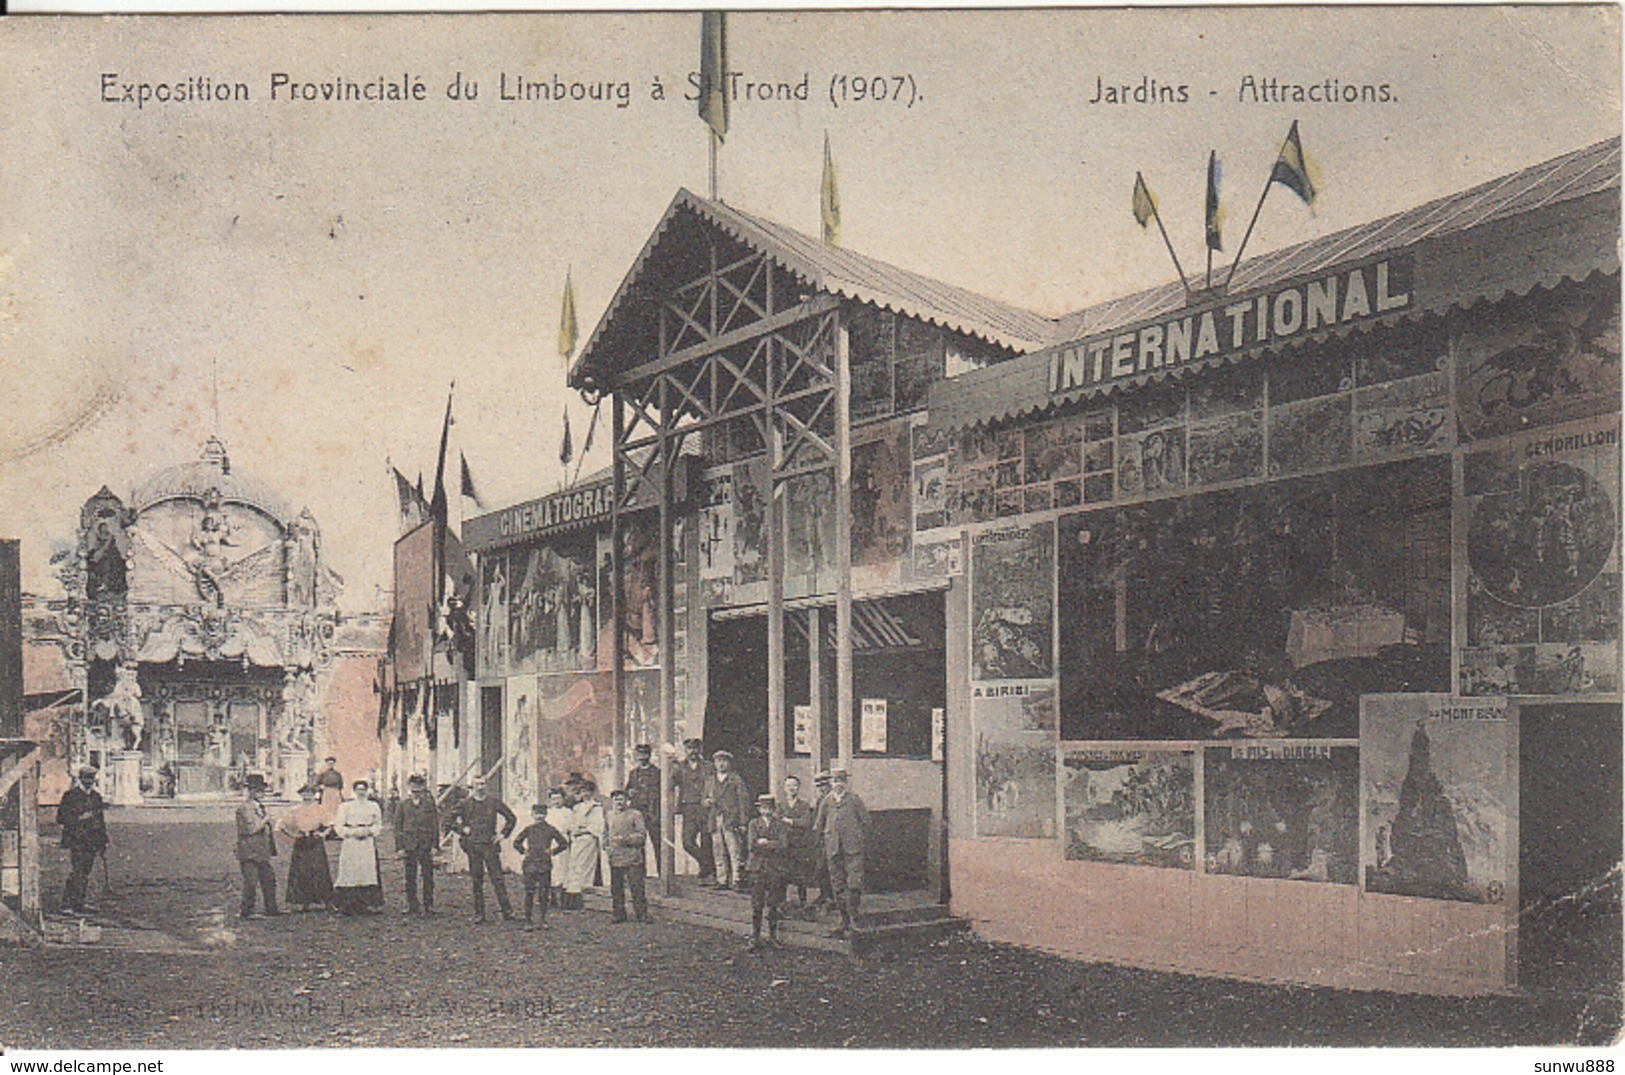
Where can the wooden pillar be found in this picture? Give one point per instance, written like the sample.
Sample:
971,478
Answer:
667,837
815,684
774,524
28,842
617,571
843,543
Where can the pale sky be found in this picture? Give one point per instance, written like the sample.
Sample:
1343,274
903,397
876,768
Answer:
343,262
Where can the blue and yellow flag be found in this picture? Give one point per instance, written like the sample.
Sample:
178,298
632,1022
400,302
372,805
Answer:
714,72
1215,217
1145,206
1291,170
829,200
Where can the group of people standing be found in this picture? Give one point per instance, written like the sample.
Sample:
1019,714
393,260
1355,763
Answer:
785,840
764,844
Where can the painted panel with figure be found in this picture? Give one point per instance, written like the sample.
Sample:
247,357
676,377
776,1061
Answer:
1130,805
1439,793
1285,810
1013,603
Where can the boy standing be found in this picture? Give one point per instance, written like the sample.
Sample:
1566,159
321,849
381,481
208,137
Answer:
769,840
626,834
539,842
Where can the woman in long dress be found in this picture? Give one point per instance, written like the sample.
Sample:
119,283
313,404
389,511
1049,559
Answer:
357,890
586,839
310,884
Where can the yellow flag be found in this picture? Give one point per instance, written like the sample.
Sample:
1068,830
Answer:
714,72
1145,206
829,200
567,322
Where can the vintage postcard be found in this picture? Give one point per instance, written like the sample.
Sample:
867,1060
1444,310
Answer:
812,529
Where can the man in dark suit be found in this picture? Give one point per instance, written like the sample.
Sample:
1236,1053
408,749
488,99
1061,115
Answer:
84,834
843,821
477,822
688,780
255,849
643,793
417,835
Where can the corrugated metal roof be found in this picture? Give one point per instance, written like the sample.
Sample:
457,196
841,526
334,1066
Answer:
1573,175
834,270
1512,235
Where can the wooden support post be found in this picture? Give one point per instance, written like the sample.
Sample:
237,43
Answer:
774,523
843,544
617,570
815,685
28,843
667,837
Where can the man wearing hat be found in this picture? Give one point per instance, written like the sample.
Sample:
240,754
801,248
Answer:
768,838
844,822
417,835
820,870
626,836
84,834
688,781
476,821
728,801
643,791
255,849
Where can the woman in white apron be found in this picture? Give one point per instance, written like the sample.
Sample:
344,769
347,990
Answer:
356,889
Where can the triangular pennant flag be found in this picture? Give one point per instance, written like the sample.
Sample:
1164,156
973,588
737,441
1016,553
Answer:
1145,206
1215,218
1291,170
467,483
829,200
567,321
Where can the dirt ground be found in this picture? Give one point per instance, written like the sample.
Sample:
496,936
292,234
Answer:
390,981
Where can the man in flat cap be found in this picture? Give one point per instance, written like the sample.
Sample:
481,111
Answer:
843,820
84,834
417,835
728,800
688,780
643,792
768,838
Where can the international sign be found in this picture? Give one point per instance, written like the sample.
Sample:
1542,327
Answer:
1234,324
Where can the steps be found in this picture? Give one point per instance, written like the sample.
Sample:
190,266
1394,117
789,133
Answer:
895,919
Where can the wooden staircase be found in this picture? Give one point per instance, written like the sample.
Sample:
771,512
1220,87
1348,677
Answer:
888,918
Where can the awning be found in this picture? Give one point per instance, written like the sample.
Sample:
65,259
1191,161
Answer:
1540,248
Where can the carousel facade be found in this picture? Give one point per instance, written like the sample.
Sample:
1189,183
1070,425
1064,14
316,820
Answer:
201,631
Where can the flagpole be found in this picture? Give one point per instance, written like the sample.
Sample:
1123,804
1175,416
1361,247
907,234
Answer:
1248,234
1165,242
714,141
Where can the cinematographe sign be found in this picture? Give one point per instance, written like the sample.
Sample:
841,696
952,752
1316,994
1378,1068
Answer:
583,505
1235,323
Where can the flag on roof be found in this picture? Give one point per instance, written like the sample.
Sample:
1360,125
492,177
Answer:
1215,218
1291,170
567,320
1145,206
413,509
714,72
829,200
566,451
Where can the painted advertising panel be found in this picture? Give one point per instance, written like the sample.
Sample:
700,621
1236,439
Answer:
882,518
1283,810
1013,603
1130,805
1543,582
553,605
1439,792
1015,784
520,766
